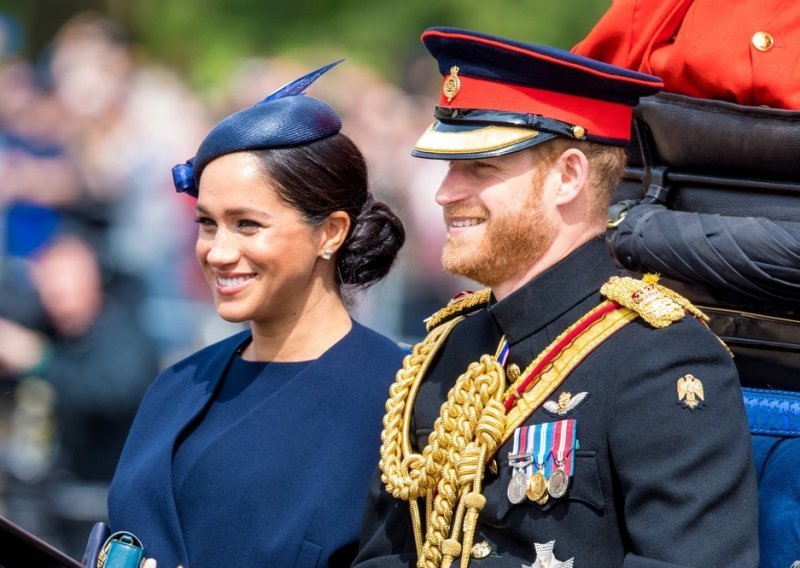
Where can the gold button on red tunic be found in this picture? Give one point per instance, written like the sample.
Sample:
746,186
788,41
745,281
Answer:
762,41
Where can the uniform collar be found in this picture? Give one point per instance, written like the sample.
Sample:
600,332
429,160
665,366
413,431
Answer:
554,292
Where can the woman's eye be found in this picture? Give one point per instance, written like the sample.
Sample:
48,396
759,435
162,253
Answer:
204,221
247,224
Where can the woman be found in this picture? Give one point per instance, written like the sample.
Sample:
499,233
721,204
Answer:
257,451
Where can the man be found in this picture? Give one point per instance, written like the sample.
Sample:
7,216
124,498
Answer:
569,416
73,378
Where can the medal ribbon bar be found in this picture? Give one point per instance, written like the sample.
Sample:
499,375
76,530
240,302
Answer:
563,444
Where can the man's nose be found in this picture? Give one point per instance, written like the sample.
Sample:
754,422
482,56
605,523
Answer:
452,189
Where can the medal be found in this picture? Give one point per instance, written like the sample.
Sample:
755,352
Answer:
557,484
537,486
563,446
520,460
517,487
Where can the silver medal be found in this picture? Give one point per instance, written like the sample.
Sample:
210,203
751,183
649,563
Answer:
517,487
558,483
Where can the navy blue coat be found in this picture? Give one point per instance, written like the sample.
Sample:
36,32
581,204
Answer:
283,486
656,485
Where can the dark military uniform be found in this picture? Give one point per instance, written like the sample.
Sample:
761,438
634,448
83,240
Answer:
655,484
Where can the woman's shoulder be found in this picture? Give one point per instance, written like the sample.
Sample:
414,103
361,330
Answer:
367,350
366,336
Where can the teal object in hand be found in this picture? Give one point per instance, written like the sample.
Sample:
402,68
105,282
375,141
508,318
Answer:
121,550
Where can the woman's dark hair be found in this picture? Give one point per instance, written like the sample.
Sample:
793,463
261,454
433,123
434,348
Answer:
331,175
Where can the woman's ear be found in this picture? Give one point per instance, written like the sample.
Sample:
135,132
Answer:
333,232
573,167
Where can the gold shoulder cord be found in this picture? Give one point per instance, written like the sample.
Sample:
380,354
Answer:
450,467
403,472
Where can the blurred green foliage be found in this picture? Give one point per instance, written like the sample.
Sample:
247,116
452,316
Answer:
203,38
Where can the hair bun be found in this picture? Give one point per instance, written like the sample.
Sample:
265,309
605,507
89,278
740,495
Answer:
373,244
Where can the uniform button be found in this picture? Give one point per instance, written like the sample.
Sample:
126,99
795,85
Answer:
481,549
762,41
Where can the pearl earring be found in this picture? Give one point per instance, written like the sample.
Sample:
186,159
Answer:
327,254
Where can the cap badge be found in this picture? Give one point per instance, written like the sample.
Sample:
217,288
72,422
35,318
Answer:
690,391
546,559
451,84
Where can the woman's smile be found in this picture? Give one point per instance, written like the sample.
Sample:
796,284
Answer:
231,284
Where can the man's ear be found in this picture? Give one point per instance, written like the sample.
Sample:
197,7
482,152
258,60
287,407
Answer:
573,168
333,232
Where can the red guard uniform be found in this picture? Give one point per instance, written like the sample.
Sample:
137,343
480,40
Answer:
743,52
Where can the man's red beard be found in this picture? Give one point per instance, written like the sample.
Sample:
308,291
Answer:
510,243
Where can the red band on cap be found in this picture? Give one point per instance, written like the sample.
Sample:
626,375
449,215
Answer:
601,119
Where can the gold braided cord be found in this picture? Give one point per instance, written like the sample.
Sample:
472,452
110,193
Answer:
450,468
469,427
401,470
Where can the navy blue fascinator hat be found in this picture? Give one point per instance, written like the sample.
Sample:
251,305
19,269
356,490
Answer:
284,118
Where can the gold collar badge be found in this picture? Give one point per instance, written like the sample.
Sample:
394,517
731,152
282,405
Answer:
451,84
690,391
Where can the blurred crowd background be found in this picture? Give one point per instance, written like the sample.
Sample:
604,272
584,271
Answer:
99,287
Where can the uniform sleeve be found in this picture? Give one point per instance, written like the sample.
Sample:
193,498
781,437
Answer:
631,30
387,539
687,475
704,49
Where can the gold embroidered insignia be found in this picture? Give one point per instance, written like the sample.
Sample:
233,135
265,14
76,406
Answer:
459,305
566,403
690,391
657,305
451,84
546,559
481,549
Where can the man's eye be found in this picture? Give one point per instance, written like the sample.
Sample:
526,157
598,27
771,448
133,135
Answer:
482,166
